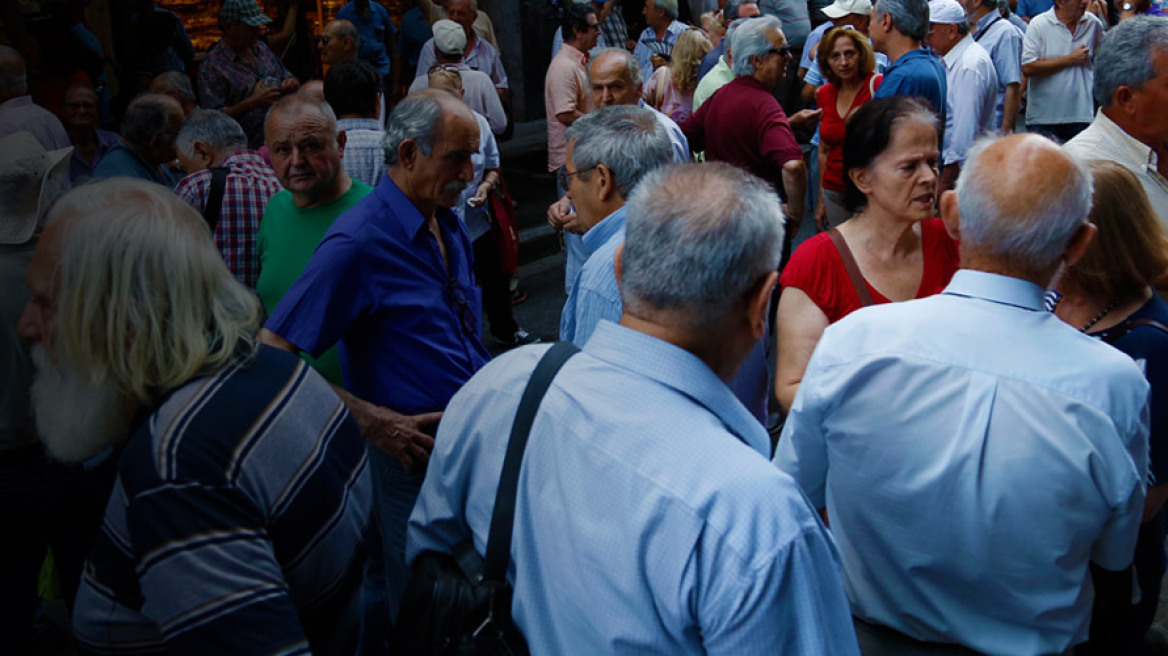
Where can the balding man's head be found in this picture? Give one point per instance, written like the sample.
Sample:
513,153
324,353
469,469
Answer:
615,77
176,85
429,141
306,149
338,42
151,123
13,81
1022,200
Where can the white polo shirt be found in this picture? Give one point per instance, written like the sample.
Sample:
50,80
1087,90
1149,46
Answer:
972,94
1065,96
1103,139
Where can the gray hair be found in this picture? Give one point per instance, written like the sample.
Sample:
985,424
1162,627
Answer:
731,29
418,117
1126,56
730,11
1033,240
909,17
13,79
174,84
630,61
750,41
627,139
147,118
220,132
346,28
296,100
670,7
697,238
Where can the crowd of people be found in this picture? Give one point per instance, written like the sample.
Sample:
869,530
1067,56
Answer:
247,386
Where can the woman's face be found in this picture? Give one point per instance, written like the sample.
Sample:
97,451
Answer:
903,179
844,58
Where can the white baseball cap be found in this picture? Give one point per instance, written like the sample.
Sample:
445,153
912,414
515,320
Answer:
946,12
31,178
841,8
449,37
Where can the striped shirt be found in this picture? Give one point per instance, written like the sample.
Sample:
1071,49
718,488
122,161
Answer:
250,185
237,522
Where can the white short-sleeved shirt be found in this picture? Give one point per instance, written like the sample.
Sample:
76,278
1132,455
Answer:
972,93
1065,96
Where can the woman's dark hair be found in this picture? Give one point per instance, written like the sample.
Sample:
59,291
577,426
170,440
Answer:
868,133
351,87
575,20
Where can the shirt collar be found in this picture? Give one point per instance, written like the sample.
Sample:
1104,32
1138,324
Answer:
19,101
1142,153
954,55
997,288
681,370
575,53
403,208
600,233
359,124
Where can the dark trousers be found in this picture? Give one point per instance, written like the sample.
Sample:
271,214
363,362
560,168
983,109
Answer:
879,640
1060,132
496,290
44,504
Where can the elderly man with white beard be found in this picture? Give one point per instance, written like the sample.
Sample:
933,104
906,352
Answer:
242,498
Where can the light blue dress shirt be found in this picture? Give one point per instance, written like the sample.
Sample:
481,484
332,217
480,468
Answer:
677,138
646,520
1003,41
594,294
974,453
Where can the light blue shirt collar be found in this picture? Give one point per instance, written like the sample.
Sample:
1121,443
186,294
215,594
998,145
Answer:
997,288
681,370
600,233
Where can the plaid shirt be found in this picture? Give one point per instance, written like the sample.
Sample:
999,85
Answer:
364,149
649,45
614,33
226,80
250,183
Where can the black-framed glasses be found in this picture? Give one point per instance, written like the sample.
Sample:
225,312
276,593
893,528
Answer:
785,51
564,178
453,68
466,315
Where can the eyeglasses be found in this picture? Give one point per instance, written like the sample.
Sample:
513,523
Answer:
466,316
564,178
785,51
323,40
443,67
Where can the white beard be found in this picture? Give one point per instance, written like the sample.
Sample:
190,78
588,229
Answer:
75,420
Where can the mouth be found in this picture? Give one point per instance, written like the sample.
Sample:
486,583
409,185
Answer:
924,199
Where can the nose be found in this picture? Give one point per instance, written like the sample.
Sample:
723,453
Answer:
28,327
466,172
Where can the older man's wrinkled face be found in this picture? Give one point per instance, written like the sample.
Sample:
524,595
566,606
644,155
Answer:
771,67
333,47
442,175
462,13
611,82
80,108
305,151
75,419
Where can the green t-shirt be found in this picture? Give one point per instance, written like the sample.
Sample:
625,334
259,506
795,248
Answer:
287,238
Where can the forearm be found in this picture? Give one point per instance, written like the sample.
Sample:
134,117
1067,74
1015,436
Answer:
1011,105
795,184
239,109
1044,67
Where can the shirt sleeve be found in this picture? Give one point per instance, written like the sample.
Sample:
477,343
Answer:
191,192
225,595
495,113
213,87
1116,544
815,270
426,59
592,305
1032,44
694,128
323,304
1008,58
645,59
563,92
778,143
497,72
965,101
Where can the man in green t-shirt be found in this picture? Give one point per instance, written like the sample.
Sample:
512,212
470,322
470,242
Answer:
306,152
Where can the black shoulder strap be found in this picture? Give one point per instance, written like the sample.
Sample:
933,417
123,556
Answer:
215,198
1126,327
503,518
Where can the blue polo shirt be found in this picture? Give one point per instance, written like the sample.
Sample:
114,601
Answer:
407,329
918,73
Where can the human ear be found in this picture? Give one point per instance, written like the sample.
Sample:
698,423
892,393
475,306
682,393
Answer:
951,215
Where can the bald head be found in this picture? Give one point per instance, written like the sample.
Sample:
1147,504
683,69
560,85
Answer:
13,82
615,77
1022,199
338,42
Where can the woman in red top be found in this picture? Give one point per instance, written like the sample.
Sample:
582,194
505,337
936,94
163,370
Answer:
847,61
900,251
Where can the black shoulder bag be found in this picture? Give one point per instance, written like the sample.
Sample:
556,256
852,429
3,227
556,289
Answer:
460,604
215,196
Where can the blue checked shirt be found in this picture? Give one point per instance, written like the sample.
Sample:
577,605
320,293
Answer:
648,45
594,294
364,149
647,520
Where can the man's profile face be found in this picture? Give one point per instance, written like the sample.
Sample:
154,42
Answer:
611,84
334,48
304,150
748,10
442,175
80,108
771,68
589,37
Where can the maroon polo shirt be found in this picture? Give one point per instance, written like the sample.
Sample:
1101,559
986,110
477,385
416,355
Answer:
744,125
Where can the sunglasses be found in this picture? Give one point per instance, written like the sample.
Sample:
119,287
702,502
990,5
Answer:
785,51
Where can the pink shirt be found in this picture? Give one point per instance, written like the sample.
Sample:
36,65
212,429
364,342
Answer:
565,89
674,104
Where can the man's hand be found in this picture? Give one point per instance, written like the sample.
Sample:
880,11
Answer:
805,119
263,95
560,213
1079,56
398,435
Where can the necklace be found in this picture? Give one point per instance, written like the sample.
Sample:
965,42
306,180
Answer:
1099,316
